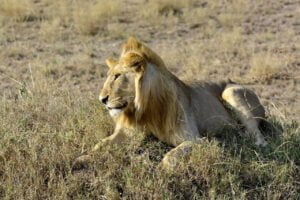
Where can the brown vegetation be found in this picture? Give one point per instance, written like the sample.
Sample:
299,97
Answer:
52,67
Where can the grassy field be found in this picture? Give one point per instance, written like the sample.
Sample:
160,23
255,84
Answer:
52,68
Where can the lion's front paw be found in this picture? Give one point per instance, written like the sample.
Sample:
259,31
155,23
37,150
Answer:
104,142
174,157
169,163
82,162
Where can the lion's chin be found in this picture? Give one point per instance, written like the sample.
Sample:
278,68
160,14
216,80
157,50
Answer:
115,112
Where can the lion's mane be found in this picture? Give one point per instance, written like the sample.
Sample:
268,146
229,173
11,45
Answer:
157,105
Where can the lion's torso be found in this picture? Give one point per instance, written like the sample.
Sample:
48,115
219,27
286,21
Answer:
141,93
203,113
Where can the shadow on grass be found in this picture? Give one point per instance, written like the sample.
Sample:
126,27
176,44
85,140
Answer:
229,166
283,143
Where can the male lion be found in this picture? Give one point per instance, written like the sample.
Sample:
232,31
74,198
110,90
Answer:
141,93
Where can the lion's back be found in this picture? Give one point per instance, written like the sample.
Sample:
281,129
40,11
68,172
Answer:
209,111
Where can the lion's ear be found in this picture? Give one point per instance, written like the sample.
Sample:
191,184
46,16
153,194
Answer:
111,62
135,61
131,44
138,66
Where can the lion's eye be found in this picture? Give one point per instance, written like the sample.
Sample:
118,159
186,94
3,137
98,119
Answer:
136,64
116,76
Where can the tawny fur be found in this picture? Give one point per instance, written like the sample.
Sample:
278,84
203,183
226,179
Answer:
167,107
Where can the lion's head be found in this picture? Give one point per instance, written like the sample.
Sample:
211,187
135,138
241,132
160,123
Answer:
139,90
118,92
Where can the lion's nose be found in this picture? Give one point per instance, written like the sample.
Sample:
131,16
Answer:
104,99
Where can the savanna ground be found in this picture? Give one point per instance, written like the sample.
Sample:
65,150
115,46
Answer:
52,67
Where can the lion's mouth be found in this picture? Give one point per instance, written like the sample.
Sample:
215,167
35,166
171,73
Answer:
118,107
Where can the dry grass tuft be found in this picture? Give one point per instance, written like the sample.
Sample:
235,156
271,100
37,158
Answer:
233,15
158,11
50,30
19,10
90,19
61,10
230,41
265,66
15,8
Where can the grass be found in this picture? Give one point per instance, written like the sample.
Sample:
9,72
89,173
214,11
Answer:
18,10
92,18
50,30
52,68
266,66
166,8
51,128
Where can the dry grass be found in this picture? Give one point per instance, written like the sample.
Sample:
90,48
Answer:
52,127
157,12
50,78
61,10
17,9
265,66
93,18
51,30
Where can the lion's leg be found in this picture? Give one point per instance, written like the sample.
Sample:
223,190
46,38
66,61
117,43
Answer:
248,109
172,158
117,137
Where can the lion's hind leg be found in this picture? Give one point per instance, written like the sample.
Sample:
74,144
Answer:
248,109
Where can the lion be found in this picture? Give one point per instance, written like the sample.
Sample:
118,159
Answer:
141,93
